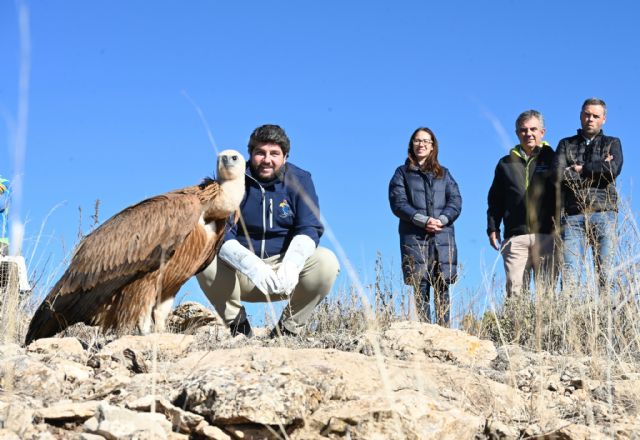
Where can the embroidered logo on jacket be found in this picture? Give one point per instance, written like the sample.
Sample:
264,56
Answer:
285,210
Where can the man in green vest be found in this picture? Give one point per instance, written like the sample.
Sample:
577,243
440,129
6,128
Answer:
522,198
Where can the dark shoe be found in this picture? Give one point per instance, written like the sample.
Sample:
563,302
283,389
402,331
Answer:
240,325
280,330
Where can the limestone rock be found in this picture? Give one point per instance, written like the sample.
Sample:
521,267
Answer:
511,358
73,371
169,344
495,429
406,340
87,436
107,386
10,350
181,420
66,348
119,423
416,381
189,316
15,415
31,377
277,395
68,411
7,434
406,414
211,432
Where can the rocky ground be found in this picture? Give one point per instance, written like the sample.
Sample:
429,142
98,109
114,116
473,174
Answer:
409,381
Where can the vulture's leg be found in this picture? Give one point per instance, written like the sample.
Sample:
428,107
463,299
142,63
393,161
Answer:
145,322
160,313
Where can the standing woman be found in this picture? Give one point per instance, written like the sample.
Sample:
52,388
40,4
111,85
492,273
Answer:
426,199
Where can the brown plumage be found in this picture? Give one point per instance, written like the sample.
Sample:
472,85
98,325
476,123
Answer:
124,275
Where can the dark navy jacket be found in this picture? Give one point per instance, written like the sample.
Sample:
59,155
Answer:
413,191
276,211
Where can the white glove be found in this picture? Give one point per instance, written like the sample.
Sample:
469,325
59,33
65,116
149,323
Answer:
299,251
245,261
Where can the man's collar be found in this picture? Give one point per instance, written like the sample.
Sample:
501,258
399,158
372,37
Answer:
520,151
589,140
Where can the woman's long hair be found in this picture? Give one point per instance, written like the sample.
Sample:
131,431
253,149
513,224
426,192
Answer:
431,163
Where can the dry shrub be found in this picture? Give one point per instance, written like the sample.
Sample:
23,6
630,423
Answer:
358,308
583,319
14,316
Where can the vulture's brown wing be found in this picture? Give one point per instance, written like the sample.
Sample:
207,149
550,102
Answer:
131,241
124,248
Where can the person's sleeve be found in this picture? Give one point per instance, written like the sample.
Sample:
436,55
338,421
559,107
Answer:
564,173
307,208
399,203
565,179
495,202
453,201
4,199
597,168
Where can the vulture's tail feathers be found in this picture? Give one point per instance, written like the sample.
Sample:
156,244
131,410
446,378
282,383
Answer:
57,312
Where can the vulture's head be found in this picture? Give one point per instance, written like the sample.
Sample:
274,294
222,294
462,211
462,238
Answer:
231,165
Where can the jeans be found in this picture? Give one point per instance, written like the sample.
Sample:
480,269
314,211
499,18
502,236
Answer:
441,300
596,229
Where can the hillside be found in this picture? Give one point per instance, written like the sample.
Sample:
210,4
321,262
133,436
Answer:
408,381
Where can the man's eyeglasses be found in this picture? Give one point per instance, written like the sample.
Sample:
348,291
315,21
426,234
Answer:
423,141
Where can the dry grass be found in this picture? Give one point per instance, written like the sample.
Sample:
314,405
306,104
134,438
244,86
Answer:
14,309
570,323
574,323
574,320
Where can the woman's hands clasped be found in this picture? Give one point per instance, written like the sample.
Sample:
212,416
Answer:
433,226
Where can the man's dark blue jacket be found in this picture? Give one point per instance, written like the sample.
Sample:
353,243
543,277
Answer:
276,211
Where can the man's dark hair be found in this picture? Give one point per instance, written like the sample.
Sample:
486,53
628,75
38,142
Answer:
594,101
269,134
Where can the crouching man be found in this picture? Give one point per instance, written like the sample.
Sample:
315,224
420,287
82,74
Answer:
272,253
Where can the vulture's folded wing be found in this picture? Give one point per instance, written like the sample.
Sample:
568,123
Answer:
131,242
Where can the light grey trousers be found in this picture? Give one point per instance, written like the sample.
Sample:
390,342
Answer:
226,288
525,253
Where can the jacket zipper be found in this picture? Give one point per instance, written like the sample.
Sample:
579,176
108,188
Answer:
526,191
264,222
271,213
427,192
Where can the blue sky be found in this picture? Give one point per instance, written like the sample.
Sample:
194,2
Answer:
115,91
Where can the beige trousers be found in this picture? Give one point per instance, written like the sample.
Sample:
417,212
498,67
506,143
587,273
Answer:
226,288
523,254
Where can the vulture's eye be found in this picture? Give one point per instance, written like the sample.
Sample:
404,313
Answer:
234,157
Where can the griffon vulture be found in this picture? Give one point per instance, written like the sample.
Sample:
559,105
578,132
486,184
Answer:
124,275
